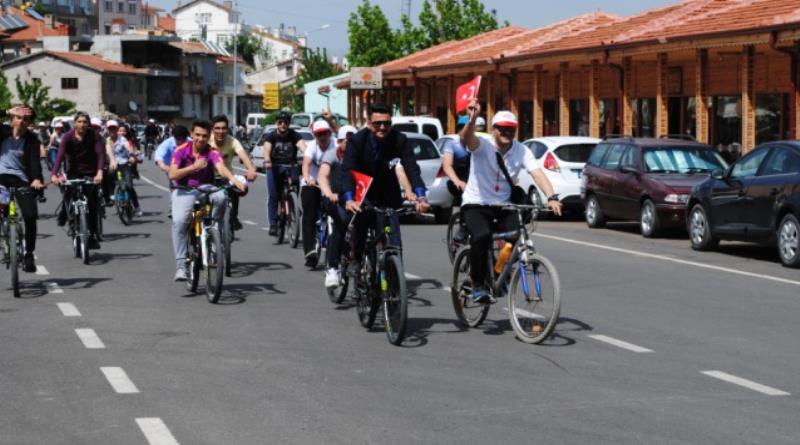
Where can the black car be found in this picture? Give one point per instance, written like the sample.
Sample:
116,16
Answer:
757,200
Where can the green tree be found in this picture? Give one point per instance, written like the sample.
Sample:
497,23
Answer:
37,96
453,20
248,46
372,40
5,93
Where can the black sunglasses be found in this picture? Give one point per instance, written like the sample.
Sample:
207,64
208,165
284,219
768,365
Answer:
282,123
379,124
505,130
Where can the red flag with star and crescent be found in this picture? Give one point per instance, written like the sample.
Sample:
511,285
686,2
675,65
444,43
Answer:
465,93
363,182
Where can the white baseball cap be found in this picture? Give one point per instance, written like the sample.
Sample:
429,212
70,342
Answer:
480,122
59,124
112,123
504,119
152,121
320,126
344,131
96,122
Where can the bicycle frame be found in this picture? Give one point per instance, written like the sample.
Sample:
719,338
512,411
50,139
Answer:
519,256
378,244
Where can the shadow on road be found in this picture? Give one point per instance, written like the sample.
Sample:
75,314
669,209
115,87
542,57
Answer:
634,228
31,290
241,270
751,252
79,283
99,259
121,236
245,291
419,329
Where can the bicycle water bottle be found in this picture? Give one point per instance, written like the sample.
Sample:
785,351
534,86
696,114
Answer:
502,257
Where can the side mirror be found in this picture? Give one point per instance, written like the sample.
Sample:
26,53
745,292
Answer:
718,173
629,169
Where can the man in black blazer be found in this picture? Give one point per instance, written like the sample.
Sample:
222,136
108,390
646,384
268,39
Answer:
376,151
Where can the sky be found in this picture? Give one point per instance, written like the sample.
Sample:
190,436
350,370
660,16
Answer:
310,15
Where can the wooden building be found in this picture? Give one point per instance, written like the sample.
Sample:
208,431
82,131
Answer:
722,71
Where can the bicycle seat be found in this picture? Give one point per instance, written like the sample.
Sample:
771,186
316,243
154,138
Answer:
207,189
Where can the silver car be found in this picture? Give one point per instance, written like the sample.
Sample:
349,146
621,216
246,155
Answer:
430,164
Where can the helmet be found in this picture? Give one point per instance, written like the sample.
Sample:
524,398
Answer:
283,116
243,180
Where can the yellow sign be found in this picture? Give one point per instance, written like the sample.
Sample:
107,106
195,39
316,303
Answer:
272,96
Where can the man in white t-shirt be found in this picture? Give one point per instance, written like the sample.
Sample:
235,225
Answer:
310,195
487,185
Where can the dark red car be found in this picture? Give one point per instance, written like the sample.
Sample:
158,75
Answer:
645,180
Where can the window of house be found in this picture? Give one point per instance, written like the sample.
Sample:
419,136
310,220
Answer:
727,121
202,17
109,6
112,84
550,115
230,105
772,117
69,83
288,71
132,8
107,28
121,7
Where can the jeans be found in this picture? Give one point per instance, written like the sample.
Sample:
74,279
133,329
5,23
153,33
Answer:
479,221
182,206
276,177
27,206
311,197
335,247
367,219
92,204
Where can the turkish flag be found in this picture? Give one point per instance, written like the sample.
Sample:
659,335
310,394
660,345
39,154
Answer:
465,93
363,182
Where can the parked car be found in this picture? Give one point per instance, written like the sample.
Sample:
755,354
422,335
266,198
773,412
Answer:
254,120
429,126
304,120
430,164
562,159
756,200
646,180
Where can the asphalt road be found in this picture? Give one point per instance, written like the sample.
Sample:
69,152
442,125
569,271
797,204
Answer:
657,344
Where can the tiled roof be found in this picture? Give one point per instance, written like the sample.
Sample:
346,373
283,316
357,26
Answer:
96,63
167,23
34,30
192,48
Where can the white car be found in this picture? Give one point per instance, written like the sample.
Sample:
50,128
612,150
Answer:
429,126
430,164
257,155
562,159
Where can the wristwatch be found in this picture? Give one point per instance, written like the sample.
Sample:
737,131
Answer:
553,197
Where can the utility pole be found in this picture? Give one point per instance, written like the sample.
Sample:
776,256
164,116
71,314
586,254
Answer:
235,65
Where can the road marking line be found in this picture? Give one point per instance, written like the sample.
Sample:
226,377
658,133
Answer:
527,314
447,289
69,309
620,343
90,339
158,186
249,223
411,276
119,380
749,384
52,288
155,431
672,260
41,270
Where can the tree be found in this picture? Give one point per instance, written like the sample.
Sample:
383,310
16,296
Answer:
37,96
316,66
372,40
453,20
248,46
5,93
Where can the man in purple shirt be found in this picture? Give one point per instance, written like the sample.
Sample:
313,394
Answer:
83,151
194,165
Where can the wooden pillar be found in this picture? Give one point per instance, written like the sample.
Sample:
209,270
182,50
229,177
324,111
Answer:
701,95
662,99
490,95
403,97
512,93
431,93
563,100
538,103
594,100
794,98
451,106
627,91
417,94
748,99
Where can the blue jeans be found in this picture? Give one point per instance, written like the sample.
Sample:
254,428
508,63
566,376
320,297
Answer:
335,245
276,177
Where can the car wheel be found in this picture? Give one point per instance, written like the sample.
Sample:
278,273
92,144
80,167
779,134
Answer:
648,220
700,230
788,241
594,216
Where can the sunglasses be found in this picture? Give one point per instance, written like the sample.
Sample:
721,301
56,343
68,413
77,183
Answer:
379,124
506,130
282,123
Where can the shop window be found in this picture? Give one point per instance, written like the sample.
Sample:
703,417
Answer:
550,114
579,117
682,117
609,117
772,118
525,119
726,133
644,111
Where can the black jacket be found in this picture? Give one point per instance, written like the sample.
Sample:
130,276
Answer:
385,190
33,163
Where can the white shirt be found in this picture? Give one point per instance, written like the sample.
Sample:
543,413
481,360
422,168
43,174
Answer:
315,153
486,184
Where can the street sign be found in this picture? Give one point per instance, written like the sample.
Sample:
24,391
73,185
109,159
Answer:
366,79
272,96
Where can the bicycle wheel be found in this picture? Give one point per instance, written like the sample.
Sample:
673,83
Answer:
395,305
227,240
83,229
294,220
468,312
452,227
214,264
282,221
13,257
338,295
534,301
366,301
122,204
195,263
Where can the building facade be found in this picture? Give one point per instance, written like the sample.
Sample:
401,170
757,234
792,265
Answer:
206,20
80,16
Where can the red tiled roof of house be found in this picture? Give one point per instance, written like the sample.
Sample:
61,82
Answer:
229,59
167,23
96,63
35,28
150,8
193,48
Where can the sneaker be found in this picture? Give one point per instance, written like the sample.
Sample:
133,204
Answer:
311,259
481,295
273,230
181,275
93,243
236,225
138,213
332,278
27,263
61,220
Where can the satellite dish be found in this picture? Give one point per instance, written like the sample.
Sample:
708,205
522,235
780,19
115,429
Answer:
133,106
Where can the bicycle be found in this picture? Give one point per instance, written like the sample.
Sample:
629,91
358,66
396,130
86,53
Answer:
288,211
382,281
11,233
204,245
100,214
452,227
149,149
532,316
227,231
122,200
338,294
78,217
324,230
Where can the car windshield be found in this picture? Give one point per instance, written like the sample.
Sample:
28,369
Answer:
423,149
406,128
306,135
301,120
682,160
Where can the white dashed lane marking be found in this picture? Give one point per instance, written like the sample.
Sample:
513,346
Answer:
749,384
52,288
620,343
155,431
41,270
69,309
249,223
158,186
90,339
119,380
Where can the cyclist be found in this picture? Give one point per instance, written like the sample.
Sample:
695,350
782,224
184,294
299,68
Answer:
487,185
151,132
375,151
310,195
82,150
43,133
55,141
20,166
163,154
280,162
194,165
122,158
455,164
230,147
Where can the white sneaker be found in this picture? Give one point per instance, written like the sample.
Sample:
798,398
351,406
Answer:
332,278
181,275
